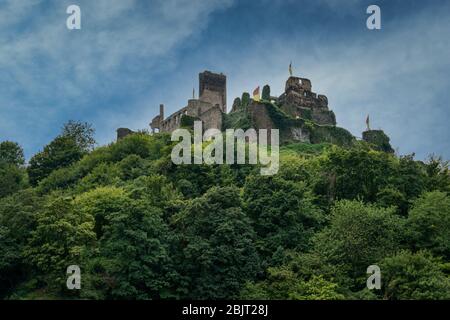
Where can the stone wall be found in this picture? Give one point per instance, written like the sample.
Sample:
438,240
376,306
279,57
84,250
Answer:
212,118
123,132
211,100
298,99
213,82
196,107
378,140
173,121
260,117
212,97
291,130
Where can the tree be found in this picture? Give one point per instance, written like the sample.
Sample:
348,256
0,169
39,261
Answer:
429,223
61,235
392,197
155,190
438,173
414,276
145,146
358,236
11,153
266,92
283,284
12,175
17,221
101,203
75,141
355,173
282,213
410,178
61,152
132,167
217,245
133,259
81,132
245,100
10,260
12,179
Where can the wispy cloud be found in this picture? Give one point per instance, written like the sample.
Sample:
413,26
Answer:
132,55
398,75
50,73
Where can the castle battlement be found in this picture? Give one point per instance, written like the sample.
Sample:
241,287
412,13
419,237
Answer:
299,104
208,108
299,100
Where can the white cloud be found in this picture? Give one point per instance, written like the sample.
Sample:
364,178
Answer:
54,72
397,76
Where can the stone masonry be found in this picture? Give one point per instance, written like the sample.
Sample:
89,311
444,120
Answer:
298,103
298,100
209,107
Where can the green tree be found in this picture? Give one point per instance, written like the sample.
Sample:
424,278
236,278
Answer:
354,173
416,276
11,153
75,141
101,203
132,167
132,261
61,152
282,213
81,132
392,197
429,223
438,173
12,179
266,93
17,221
10,259
12,174
146,146
155,190
358,236
217,245
245,100
102,175
61,235
410,178
283,284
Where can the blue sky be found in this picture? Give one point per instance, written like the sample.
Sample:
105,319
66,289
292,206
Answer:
132,55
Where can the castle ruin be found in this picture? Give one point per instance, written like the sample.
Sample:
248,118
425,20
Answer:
299,113
208,108
299,101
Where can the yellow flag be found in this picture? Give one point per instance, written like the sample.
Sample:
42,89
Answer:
256,95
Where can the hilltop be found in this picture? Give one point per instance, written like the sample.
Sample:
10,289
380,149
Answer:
140,227
300,114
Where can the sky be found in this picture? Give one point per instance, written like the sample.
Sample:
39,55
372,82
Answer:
132,55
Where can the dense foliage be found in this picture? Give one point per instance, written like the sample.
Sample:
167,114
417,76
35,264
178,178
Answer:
141,227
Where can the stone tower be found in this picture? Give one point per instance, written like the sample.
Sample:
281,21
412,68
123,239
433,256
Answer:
213,89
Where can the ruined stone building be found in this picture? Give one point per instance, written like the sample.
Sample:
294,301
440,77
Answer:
298,104
209,107
298,100
299,113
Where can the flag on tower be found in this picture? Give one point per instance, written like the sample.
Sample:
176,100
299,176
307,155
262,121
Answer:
256,95
290,68
368,123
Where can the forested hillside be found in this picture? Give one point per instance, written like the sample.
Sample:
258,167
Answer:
141,227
